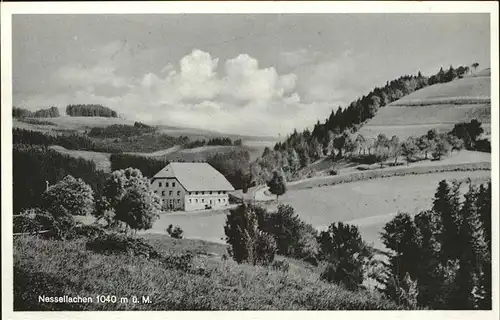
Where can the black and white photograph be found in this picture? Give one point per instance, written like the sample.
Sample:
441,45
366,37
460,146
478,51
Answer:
250,158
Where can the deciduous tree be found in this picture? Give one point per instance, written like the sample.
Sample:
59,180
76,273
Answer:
72,194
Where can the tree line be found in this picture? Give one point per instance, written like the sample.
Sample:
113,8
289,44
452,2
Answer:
90,110
120,130
20,113
219,141
292,162
72,141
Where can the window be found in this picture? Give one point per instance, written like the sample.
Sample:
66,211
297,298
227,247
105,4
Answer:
163,193
196,200
155,191
178,200
159,184
170,193
203,200
189,200
178,193
173,184
203,192
196,193
219,192
166,184
190,193
219,200
210,192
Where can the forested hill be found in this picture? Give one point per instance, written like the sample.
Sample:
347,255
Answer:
350,118
90,110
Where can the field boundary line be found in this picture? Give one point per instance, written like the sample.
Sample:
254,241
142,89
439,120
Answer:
386,173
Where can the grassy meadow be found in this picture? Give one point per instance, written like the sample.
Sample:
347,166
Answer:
438,107
209,282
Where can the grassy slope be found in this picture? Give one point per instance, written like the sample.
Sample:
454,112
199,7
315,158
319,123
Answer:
56,268
437,107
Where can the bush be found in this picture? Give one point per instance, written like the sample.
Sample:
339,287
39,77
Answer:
115,243
176,232
57,223
264,248
246,242
345,254
365,159
294,237
26,222
90,231
74,195
483,145
281,265
362,168
333,172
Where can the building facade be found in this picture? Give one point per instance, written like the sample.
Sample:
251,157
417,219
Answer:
190,186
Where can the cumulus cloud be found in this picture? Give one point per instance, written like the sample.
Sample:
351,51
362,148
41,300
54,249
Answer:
236,95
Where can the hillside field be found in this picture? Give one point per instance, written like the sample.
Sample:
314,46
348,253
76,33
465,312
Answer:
439,107
472,88
209,282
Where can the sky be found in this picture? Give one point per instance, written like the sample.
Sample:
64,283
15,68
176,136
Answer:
258,74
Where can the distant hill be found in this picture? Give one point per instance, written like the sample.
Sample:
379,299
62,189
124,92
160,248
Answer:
439,107
173,151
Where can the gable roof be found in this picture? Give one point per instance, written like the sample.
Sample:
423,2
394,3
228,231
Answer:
195,176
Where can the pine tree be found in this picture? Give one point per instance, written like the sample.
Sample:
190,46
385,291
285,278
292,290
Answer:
473,253
484,209
431,280
400,236
446,205
483,203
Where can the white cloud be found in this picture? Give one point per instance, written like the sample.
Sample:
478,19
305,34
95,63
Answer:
240,97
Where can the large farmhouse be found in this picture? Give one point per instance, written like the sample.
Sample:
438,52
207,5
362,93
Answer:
191,186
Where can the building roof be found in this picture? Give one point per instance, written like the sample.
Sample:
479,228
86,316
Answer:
195,176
